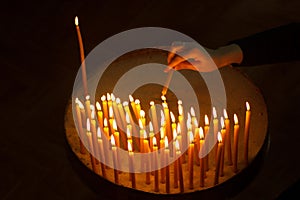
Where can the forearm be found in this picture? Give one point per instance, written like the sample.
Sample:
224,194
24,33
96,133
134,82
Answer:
227,55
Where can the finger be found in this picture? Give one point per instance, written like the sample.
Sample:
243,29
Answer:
174,48
176,60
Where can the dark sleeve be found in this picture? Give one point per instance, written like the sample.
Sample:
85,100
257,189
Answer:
276,45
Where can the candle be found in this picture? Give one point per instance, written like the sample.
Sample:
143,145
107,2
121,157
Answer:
246,133
236,129
155,165
142,117
220,149
176,164
79,122
111,119
94,133
129,122
216,127
206,129
109,101
106,133
116,133
101,151
121,112
154,117
167,117
151,135
141,136
115,162
133,106
88,106
99,114
104,106
197,143
138,108
194,119
90,143
190,160
121,121
82,57
223,134
180,174
131,167
202,172
162,144
228,137
181,121
167,154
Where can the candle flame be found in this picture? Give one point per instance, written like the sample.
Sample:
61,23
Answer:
201,133
105,122
174,133
141,124
193,112
189,118
88,125
137,101
196,123
76,21
222,123
151,103
112,96
162,132
163,98
111,112
108,97
142,114
236,121
172,117
92,107
178,128
215,113
179,102
206,120
125,103
128,133
177,145
166,142
103,98
219,137
165,105
98,106
93,114
127,118
180,109
189,125
225,114
80,104
129,146
191,137
154,141
112,140
115,127
87,97
150,127
247,105
118,100
131,99
99,134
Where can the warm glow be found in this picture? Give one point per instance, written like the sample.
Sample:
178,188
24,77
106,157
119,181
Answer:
174,134
92,107
111,112
93,114
125,103
80,104
165,105
189,118
189,125
99,134
236,121
177,145
98,106
87,97
118,100
247,105
141,124
112,140
180,109
88,125
191,137
131,98
105,122
166,142
129,146
137,101
163,98
179,102
162,120
150,127
108,97
142,114
115,127
201,133
225,114
162,132
145,134
178,128
206,120
112,96
151,103
196,123
172,117
128,133
103,98
222,123
76,21
219,137
215,113
154,141
127,118
193,112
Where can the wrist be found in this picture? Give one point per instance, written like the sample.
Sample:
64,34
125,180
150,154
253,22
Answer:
227,55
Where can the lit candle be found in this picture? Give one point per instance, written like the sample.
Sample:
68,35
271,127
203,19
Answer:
99,114
121,122
142,130
79,122
167,117
246,133
202,173
133,106
130,121
194,119
115,162
151,135
90,142
216,127
176,143
162,144
101,151
220,149
94,133
88,106
154,117
138,108
167,154
104,106
236,129
109,101
147,161
180,174
206,129
111,119
190,160
82,57
223,134
121,112
106,133
155,165
131,167
197,142
116,133
228,137
181,121
142,117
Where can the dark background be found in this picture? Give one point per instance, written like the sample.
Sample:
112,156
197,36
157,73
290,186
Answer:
39,61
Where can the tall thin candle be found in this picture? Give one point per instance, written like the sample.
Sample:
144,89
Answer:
246,133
